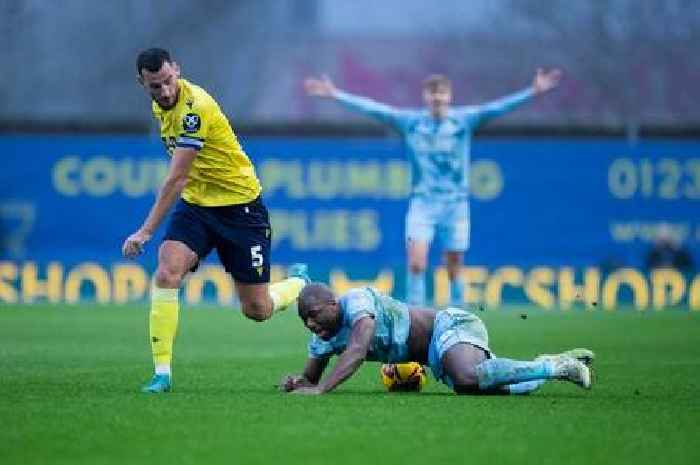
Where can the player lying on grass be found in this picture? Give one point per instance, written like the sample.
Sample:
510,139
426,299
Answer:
366,325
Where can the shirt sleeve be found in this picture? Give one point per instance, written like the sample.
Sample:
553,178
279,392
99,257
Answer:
380,111
482,113
193,128
359,303
318,348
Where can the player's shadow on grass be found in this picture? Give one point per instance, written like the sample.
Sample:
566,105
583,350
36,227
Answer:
379,393
543,396
216,391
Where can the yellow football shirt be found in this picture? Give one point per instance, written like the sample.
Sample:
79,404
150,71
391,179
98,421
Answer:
221,173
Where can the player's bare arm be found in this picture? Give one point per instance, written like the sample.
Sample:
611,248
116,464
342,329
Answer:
175,182
544,81
323,87
320,87
309,378
349,361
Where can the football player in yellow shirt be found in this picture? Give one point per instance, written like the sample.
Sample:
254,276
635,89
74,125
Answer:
213,184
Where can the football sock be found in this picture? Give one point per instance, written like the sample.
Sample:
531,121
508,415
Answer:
285,292
526,387
501,371
456,292
415,288
163,326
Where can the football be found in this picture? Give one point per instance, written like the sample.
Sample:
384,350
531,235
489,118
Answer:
403,377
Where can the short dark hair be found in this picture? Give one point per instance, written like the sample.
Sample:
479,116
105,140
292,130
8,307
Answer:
436,81
152,59
313,294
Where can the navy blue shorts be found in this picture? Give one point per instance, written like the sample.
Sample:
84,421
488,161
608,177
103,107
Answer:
241,235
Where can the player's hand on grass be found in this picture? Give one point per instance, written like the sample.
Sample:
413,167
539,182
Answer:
546,80
292,382
322,87
308,390
133,245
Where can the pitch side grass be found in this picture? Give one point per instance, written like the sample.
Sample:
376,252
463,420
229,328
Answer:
70,379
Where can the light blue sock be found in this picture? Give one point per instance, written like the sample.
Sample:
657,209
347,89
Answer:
456,292
415,288
501,371
526,387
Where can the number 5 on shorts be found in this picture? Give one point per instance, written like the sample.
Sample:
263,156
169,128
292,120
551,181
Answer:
256,256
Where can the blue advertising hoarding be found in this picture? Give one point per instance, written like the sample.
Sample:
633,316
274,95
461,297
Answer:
554,222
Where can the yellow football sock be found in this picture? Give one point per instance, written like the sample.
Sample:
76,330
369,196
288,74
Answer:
163,325
285,292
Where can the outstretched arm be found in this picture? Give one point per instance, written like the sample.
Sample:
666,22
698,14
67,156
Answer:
325,88
543,82
349,361
175,182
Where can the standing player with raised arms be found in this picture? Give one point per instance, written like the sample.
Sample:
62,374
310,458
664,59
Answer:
438,141
219,206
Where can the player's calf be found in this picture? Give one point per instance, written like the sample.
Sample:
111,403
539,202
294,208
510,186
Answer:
257,310
501,371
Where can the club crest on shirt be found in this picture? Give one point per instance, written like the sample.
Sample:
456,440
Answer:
191,122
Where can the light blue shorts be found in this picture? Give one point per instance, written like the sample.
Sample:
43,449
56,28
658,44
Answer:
450,219
454,326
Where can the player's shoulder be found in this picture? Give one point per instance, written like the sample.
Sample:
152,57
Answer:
196,98
413,114
156,110
464,110
465,113
359,299
359,293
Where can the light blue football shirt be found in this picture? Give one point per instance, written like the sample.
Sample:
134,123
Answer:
392,322
438,150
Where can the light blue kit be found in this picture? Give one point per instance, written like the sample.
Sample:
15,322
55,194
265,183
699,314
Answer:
438,150
392,323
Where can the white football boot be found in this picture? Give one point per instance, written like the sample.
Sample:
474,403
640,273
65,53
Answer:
570,369
584,356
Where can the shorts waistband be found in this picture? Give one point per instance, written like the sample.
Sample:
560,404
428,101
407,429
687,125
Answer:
253,203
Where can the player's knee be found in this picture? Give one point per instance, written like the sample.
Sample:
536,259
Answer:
465,382
256,310
167,277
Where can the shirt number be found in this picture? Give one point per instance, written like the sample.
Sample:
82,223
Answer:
256,256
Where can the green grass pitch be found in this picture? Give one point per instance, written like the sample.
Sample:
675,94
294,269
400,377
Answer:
70,378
